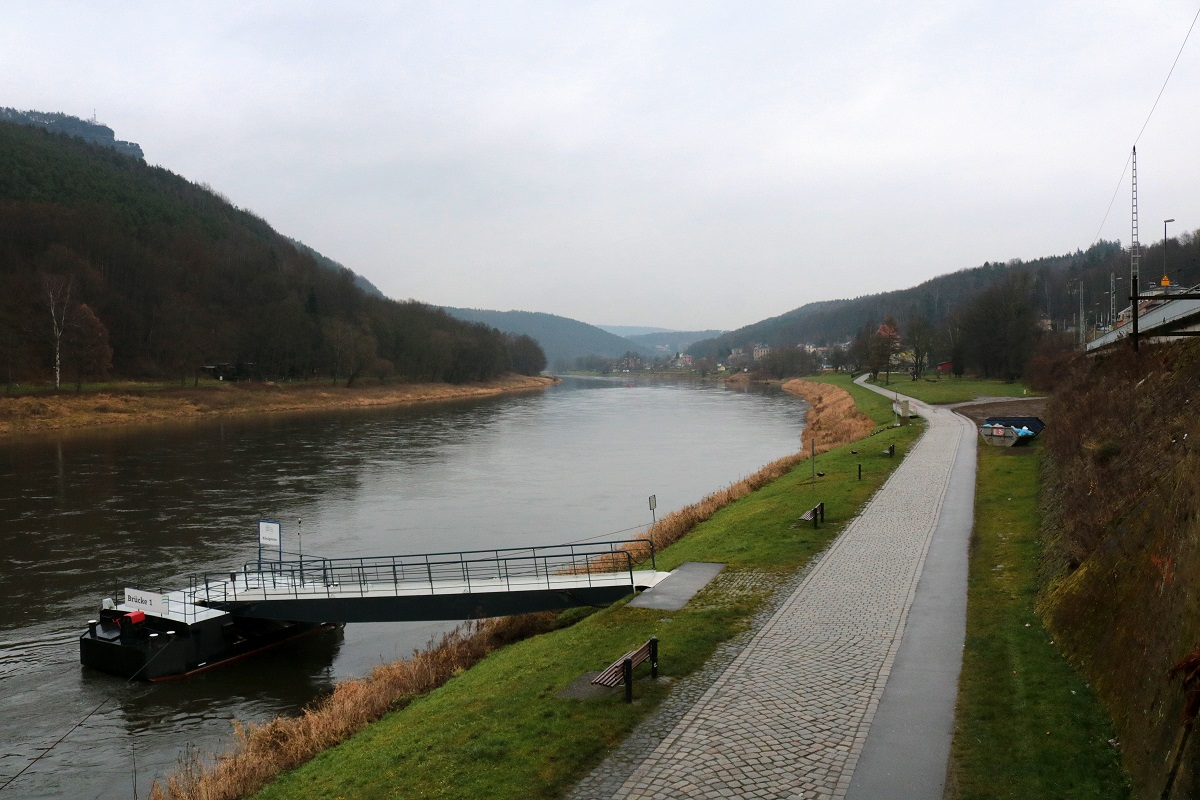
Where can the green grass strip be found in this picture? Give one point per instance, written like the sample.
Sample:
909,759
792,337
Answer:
953,390
873,404
1027,725
499,730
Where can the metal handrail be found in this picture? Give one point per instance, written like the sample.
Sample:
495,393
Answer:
314,576
592,548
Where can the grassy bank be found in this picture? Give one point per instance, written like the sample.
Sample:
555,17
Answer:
1027,724
499,729
126,404
953,390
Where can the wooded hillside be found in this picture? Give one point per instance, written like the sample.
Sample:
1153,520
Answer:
987,319
563,339
838,321
111,265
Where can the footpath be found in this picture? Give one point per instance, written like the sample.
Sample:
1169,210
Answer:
847,689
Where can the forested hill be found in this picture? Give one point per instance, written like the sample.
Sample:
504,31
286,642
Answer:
564,340
108,264
88,130
1051,279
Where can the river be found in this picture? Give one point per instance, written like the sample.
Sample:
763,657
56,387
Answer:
85,513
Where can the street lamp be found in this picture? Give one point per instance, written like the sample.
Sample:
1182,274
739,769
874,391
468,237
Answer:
1165,221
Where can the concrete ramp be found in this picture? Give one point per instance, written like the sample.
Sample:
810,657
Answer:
673,592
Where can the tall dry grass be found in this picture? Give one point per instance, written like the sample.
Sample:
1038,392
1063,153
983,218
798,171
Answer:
262,752
834,419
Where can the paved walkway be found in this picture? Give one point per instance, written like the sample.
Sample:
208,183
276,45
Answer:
789,715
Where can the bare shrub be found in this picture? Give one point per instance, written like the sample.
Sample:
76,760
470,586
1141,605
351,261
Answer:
1051,361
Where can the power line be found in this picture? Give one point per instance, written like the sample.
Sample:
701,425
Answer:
1167,80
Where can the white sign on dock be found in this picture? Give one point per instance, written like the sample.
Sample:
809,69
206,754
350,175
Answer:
150,602
268,533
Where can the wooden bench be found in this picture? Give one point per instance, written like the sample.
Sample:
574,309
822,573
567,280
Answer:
815,515
621,670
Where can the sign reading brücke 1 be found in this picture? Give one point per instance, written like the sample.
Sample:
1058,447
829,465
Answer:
150,602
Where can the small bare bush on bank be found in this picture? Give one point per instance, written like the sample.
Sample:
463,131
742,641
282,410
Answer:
261,752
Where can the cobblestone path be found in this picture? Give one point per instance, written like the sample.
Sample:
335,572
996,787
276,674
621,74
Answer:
786,715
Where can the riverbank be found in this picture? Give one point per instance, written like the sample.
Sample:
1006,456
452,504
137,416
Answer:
834,418
72,410
500,729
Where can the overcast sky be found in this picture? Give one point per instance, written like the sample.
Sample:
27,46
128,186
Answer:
684,165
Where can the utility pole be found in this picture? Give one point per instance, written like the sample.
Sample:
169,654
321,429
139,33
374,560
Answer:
1112,300
1134,255
1081,336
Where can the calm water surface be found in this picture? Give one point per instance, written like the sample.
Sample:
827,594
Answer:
82,515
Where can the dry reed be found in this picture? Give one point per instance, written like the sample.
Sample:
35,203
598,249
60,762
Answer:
262,752
834,419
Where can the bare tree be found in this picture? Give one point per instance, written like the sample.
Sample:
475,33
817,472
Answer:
884,344
57,291
86,345
919,338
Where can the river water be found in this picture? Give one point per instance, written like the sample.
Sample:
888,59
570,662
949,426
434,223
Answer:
83,514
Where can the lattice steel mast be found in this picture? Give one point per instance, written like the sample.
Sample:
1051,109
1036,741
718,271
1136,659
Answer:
1134,256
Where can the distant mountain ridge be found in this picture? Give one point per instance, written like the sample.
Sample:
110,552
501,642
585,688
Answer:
88,130
629,331
675,341
563,339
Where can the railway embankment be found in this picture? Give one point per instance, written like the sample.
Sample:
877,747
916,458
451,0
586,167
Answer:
1121,574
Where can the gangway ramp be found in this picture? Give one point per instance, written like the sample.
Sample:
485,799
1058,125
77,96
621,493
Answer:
431,586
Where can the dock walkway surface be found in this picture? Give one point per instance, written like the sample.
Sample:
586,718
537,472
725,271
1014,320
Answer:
846,687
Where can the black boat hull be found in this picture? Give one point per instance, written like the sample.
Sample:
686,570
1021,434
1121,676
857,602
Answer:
158,649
